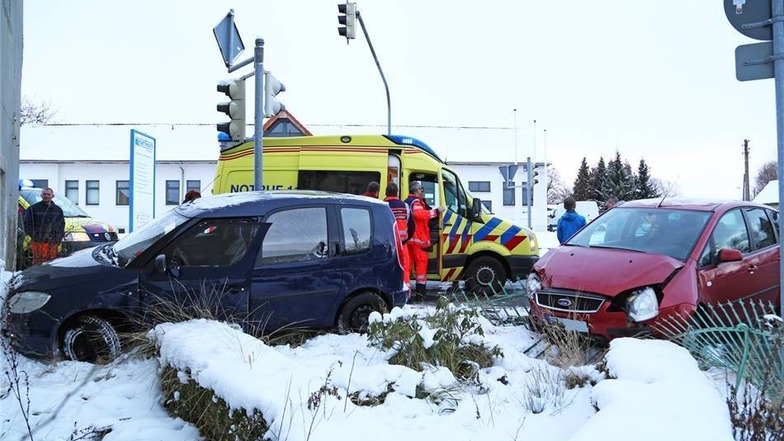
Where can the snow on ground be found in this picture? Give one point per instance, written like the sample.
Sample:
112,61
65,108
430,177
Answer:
656,391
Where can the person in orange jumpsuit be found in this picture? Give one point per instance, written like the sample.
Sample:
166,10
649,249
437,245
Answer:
400,212
419,241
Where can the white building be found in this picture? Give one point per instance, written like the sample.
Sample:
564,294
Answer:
90,166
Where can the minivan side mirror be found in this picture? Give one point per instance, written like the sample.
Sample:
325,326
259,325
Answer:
160,263
730,255
476,209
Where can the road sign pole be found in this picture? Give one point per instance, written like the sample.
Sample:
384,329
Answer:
777,10
258,117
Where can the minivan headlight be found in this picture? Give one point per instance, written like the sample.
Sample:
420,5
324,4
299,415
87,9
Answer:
642,305
76,237
27,301
532,285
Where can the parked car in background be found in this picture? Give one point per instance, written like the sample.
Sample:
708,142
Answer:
650,259
264,260
81,230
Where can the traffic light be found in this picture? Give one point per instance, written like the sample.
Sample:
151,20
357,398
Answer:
347,20
235,109
534,175
272,87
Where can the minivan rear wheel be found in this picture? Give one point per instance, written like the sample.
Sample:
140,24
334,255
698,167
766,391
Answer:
91,339
355,313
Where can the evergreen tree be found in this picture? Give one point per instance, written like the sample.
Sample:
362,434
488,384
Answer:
598,175
645,187
582,190
620,179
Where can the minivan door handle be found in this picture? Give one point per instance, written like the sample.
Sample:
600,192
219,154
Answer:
752,269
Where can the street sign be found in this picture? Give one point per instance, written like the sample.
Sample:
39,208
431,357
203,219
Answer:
754,62
228,38
742,12
508,172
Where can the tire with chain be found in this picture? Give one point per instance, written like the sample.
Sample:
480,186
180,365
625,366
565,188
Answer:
91,339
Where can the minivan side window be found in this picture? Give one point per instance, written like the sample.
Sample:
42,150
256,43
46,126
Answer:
356,230
761,228
295,235
730,232
214,243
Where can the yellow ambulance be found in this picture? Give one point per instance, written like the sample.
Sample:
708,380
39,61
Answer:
470,244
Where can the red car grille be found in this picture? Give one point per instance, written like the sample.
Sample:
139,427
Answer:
569,301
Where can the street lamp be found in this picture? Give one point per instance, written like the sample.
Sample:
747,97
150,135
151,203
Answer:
346,29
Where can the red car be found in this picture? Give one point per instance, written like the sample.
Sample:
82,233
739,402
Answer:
648,259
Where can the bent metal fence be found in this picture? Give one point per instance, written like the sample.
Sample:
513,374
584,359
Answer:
742,336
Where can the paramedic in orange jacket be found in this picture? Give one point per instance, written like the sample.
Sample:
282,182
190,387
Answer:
400,211
420,240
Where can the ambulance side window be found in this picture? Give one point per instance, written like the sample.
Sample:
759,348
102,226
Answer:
340,181
454,195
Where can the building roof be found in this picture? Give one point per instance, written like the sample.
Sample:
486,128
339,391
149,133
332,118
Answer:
769,194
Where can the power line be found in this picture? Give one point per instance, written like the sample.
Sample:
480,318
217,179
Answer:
212,124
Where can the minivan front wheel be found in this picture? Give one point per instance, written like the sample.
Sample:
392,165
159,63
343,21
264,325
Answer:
355,313
91,339
485,276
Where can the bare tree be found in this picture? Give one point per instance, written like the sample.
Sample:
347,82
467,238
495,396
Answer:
35,112
768,172
557,190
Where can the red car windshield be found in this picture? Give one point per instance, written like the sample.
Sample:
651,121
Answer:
649,230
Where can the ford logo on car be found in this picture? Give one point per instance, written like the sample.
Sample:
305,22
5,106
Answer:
564,302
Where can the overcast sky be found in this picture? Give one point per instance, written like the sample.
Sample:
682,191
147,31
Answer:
651,79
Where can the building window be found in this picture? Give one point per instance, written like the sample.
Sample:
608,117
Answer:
488,205
72,191
509,194
525,196
479,186
172,192
93,192
123,193
40,183
193,184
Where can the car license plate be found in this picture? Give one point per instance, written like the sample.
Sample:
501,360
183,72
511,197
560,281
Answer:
569,324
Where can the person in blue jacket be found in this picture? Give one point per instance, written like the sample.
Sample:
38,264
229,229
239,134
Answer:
570,222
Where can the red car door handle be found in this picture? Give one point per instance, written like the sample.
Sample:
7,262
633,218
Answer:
752,269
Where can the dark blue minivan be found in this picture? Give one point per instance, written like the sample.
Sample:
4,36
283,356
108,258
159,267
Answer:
264,260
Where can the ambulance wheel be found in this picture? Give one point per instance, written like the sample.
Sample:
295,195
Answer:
91,339
354,316
485,276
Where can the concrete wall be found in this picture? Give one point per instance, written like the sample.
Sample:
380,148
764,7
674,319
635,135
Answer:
10,98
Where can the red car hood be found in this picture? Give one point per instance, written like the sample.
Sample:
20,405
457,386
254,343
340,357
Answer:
603,271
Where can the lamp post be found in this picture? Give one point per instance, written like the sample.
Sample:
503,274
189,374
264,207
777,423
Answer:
350,13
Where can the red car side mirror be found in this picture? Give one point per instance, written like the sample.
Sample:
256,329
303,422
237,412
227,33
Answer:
730,255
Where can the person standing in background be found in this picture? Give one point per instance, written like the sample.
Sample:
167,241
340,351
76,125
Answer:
401,213
372,190
570,222
419,241
191,195
44,222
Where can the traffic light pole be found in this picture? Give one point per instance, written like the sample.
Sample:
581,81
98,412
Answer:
529,190
383,78
777,10
258,117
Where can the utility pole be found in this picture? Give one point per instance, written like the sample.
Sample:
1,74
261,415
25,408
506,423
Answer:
746,191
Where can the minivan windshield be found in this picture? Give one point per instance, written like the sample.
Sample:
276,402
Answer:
130,246
654,230
33,196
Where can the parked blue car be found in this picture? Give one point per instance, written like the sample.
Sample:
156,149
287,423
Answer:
264,260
